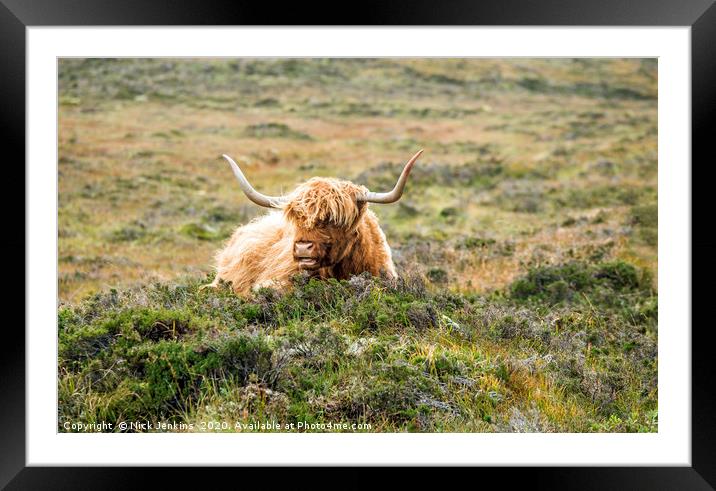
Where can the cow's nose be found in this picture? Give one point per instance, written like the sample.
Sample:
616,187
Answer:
303,248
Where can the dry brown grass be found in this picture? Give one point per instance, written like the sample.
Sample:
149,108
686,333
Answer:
153,163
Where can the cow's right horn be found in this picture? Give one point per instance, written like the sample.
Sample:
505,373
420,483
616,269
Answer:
395,194
250,192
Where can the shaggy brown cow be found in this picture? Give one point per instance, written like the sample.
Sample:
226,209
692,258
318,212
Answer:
324,227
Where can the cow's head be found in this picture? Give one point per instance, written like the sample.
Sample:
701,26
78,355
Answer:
325,214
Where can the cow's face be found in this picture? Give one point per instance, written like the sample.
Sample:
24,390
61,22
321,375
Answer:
325,214
322,247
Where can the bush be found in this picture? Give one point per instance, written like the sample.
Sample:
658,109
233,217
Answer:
274,130
560,283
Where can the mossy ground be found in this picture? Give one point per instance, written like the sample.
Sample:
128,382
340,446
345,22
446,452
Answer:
526,242
566,348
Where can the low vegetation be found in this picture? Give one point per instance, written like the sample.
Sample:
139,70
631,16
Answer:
565,348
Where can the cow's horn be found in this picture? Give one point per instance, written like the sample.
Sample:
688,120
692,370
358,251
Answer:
250,192
397,192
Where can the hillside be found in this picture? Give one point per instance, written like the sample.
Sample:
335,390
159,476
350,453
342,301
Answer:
526,242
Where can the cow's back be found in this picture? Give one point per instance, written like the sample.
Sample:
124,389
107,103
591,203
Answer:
258,253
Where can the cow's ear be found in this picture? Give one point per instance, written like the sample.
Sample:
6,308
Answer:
361,205
292,214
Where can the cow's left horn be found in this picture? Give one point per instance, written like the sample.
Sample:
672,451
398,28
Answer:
397,192
250,192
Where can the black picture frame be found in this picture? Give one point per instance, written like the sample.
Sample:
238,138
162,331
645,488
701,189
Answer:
700,15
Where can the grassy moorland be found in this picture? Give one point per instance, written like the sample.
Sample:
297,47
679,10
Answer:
526,243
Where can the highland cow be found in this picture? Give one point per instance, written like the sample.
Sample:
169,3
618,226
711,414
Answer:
323,228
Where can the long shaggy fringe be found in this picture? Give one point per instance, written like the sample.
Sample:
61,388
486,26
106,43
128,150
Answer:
321,201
